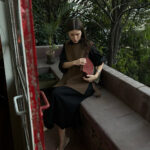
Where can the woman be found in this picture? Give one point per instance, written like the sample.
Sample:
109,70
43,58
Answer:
74,87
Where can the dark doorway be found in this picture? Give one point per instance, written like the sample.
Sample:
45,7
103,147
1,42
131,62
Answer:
5,126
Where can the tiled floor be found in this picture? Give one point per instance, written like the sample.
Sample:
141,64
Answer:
51,140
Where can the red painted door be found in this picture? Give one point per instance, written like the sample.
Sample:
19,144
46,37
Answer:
28,40
24,67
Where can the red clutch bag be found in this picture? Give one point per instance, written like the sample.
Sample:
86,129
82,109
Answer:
88,68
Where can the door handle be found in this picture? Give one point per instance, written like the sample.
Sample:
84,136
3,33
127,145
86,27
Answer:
47,105
18,112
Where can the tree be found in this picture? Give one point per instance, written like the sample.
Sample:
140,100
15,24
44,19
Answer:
39,16
134,59
114,13
48,16
56,18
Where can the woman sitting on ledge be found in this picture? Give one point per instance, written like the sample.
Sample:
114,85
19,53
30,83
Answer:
74,86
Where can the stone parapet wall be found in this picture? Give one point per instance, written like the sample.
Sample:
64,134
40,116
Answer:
41,51
133,93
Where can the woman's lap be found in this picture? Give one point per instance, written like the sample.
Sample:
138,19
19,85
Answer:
64,109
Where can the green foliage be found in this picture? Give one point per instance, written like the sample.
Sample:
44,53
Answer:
126,63
39,15
49,17
56,18
134,60
144,70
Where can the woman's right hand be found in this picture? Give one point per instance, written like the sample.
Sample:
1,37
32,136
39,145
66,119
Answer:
80,61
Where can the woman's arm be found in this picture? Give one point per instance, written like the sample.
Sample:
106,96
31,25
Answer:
91,78
98,61
99,70
78,62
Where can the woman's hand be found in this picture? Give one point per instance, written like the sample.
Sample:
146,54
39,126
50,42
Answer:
80,61
90,78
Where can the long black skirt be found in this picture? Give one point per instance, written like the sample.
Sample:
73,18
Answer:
64,107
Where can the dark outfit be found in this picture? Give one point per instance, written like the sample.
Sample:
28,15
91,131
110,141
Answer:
67,95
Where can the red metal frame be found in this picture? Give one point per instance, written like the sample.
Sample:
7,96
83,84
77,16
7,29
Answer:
47,105
31,58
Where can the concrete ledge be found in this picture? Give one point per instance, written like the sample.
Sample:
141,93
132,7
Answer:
133,93
109,124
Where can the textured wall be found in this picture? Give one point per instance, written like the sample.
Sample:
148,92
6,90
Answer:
133,93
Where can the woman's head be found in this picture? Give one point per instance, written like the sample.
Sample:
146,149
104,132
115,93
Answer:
75,30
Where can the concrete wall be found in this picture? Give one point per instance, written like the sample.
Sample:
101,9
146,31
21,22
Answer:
133,93
41,51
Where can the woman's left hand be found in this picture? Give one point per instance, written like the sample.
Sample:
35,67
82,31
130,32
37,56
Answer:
90,78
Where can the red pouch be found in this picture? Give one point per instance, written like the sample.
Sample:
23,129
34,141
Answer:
88,68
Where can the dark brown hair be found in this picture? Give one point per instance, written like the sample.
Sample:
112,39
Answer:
76,24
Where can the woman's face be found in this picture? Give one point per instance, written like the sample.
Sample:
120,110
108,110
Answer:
75,35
